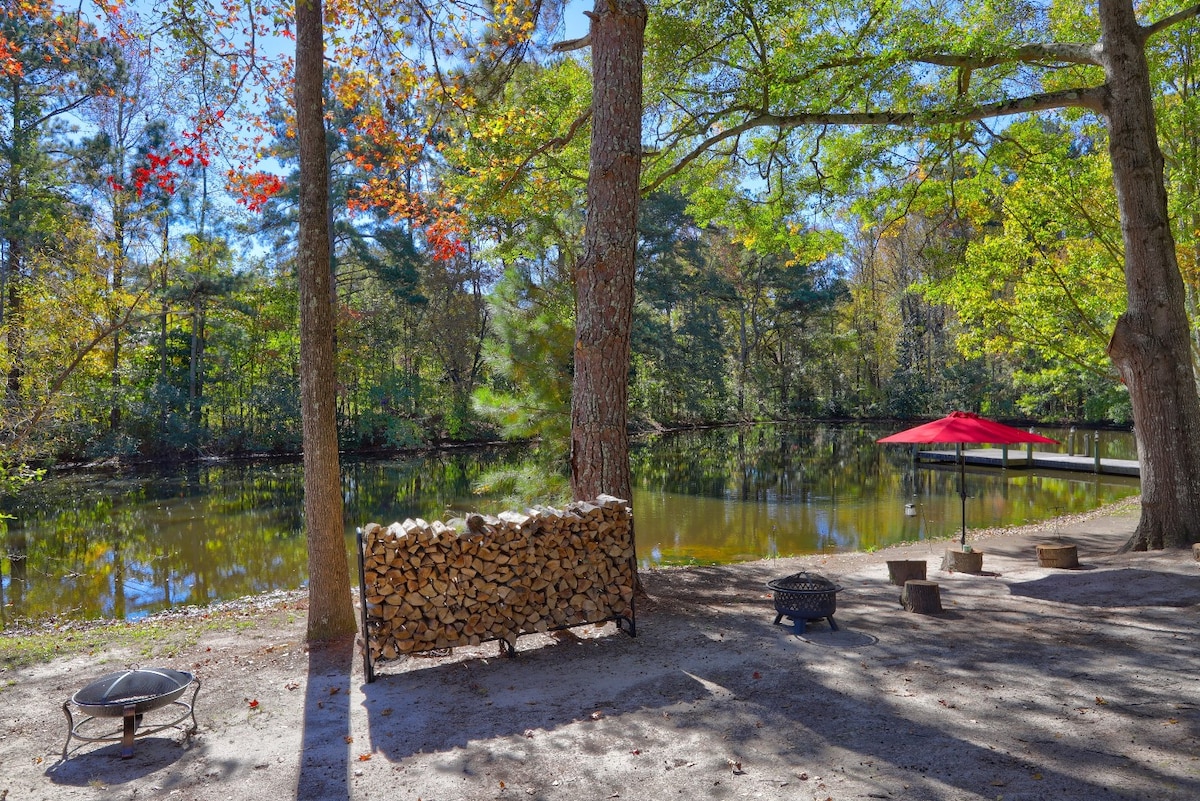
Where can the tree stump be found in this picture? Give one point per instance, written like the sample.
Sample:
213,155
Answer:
922,597
1064,556
1196,550
902,570
960,561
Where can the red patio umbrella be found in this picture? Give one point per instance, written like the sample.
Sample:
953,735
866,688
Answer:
962,428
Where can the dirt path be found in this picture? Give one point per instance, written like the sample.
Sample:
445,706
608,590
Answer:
1035,684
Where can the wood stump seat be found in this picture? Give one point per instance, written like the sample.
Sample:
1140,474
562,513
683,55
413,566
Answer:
957,560
922,597
1060,556
901,570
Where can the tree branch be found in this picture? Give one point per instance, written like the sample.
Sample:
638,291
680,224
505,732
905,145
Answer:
56,384
1079,98
1062,52
1167,22
572,44
556,142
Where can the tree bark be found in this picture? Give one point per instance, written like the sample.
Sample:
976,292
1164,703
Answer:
922,597
1150,345
604,275
330,611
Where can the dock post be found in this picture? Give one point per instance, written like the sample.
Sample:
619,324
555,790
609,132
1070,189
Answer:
1004,456
1096,448
1029,451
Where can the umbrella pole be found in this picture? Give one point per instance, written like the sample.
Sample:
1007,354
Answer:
962,491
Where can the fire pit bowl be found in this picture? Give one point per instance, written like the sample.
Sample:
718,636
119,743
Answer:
130,694
803,597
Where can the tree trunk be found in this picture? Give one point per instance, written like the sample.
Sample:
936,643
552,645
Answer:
14,318
330,611
1150,345
196,366
605,273
118,281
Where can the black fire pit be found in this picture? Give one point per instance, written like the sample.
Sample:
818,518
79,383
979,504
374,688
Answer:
803,597
129,694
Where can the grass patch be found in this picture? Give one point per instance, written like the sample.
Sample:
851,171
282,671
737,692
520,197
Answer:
157,637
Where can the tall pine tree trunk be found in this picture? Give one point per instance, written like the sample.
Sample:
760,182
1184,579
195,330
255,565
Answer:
1150,345
330,611
605,273
118,282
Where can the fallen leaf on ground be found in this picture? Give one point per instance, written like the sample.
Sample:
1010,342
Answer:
598,714
364,757
253,704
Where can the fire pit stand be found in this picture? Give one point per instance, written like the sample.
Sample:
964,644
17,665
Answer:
803,597
128,695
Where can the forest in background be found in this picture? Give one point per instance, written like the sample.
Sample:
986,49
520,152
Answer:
147,227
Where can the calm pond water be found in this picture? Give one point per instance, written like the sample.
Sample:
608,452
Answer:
127,544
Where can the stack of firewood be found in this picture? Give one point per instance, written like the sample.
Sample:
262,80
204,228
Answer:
440,585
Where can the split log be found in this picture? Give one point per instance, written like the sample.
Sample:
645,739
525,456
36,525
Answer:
960,561
1062,556
902,570
922,597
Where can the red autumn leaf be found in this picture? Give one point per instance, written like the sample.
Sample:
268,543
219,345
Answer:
253,704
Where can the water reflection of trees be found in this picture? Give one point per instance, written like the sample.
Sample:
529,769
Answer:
130,543
732,494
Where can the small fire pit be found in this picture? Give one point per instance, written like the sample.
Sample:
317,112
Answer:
805,596
129,694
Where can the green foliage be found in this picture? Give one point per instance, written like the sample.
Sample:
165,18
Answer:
531,357
531,482
1044,276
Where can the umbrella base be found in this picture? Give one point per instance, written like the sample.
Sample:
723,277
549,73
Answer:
957,560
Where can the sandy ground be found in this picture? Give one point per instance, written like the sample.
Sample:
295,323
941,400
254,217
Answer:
1035,684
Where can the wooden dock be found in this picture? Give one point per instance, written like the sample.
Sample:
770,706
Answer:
1018,458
